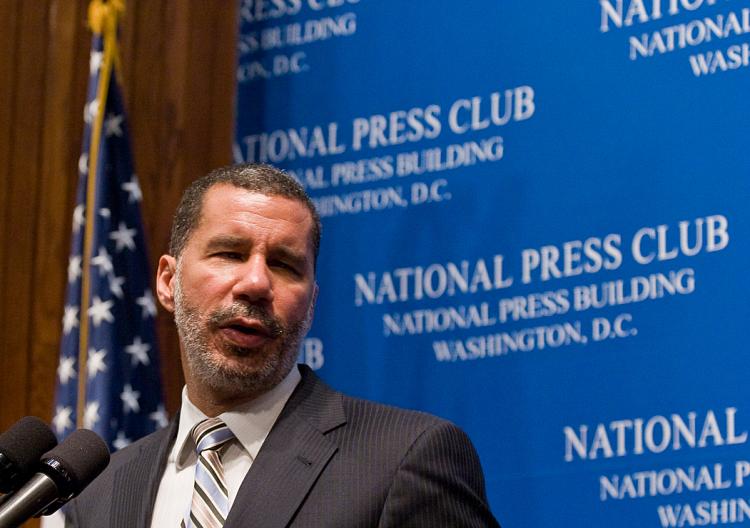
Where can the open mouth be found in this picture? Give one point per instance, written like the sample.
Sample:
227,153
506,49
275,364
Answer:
247,330
247,326
245,333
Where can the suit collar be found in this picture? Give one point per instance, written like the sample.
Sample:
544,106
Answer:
138,481
315,402
292,457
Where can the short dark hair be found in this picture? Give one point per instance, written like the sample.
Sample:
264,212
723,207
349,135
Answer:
253,177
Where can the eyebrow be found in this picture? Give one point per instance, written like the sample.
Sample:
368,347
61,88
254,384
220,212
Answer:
223,242
226,242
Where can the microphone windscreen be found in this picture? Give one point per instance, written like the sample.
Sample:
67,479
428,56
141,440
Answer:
23,444
76,461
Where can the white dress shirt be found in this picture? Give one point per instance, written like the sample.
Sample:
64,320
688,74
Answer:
250,423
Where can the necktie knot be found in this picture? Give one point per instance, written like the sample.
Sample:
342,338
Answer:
212,434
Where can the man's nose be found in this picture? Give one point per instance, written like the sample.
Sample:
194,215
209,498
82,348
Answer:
253,281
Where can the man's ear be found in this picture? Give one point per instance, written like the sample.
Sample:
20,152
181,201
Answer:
165,276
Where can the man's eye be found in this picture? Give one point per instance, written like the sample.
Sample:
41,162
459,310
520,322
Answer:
280,264
229,255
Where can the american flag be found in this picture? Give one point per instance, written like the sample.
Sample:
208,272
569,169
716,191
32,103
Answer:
108,377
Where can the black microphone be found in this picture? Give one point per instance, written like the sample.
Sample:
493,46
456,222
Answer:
61,475
21,446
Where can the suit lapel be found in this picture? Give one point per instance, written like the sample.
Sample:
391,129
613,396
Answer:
293,455
138,481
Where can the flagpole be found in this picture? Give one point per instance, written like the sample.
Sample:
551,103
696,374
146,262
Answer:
103,19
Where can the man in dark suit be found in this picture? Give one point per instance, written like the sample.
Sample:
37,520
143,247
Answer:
285,449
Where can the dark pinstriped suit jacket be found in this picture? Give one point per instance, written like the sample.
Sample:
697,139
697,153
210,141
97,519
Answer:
329,461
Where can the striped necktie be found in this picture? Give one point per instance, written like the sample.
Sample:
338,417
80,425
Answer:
210,504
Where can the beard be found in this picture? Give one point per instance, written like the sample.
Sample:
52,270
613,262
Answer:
235,371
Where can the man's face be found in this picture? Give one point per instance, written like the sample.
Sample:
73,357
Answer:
243,292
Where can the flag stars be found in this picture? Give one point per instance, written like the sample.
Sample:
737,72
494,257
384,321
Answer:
113,125
79,216
138,351
66,370
95,362
90,110
133,190
123,237
101,311
95,61
121,441
115,286
62,422
83,164
147,303
74,268
129,399
91,415
103,261
70,319
159,416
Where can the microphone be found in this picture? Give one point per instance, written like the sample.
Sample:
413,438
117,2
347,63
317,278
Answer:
21,446
62,473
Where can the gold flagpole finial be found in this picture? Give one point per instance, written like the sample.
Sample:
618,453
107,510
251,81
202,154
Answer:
103,15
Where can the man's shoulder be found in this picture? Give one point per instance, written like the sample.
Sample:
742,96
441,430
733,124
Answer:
422,469
327,401
364,410
371,421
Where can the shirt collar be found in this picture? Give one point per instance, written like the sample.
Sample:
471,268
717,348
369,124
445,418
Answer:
250,422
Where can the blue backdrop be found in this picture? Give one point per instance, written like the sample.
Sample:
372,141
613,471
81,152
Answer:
535,225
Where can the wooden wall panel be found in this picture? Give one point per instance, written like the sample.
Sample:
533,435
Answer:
22,205
178,79
59,143
220,74
8,56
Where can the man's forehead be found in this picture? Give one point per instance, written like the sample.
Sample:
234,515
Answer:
225,206
223,198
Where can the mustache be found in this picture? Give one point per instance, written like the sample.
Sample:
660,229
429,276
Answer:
222,316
